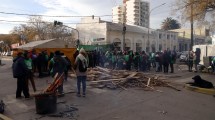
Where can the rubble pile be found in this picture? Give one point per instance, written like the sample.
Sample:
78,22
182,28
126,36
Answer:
106,78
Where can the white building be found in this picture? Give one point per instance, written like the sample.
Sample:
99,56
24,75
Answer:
213,39
102,32
184,37
136,13
117,13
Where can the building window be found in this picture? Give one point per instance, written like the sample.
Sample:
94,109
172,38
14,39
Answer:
160,36
168,37
160,47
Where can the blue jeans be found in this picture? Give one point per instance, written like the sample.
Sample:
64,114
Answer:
81,79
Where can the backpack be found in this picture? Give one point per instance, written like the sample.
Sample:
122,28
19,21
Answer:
82,66
2,107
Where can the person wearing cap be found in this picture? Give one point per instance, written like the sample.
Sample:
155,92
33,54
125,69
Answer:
20,71
81,76
59,67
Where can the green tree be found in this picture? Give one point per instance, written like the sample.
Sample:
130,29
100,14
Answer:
170,23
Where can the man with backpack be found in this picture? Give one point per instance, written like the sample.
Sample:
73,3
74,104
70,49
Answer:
81,64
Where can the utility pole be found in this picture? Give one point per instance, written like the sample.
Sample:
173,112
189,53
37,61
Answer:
183,45
124,27
191,22
123,35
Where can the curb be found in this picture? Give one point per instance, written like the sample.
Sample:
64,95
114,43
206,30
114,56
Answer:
208,91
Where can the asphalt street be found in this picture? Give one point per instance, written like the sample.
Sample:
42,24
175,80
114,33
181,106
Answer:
105,104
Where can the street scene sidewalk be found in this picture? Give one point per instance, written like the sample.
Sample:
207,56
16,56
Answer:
106,104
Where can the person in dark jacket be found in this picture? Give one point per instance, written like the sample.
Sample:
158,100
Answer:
160,61
143,61
172,61
157,61
34,60
166,60
40,64
59,67
136,60
20,71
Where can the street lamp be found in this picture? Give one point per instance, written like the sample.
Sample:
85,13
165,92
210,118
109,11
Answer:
61,24
148,42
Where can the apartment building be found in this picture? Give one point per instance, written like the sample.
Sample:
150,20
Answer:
117,13
136,13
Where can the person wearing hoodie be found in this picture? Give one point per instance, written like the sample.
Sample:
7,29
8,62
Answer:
20,71
81,64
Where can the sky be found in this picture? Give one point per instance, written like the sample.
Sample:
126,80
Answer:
72,8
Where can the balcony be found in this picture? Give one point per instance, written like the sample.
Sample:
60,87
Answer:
136,15
136,3
136,11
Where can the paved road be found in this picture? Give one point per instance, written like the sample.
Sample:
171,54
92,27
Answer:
104,104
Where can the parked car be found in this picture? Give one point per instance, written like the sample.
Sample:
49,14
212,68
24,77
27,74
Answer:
178,54
184,56
9,53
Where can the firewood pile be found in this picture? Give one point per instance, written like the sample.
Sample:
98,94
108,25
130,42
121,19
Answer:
52,87
106,78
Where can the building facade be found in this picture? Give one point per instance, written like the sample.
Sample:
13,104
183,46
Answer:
101,32
133,12
184,38
137,12
213,40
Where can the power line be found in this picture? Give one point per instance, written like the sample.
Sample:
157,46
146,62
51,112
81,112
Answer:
11,21
24,14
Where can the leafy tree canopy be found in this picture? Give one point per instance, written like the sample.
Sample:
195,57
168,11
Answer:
170,23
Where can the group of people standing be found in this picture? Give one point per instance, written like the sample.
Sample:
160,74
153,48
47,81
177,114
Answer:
26,63
140,61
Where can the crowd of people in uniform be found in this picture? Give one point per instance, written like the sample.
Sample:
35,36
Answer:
29,62
129,60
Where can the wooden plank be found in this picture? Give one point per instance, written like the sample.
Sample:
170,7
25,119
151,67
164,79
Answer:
108,80
152,88
119,86
148,82
103,69
127,78
103,73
